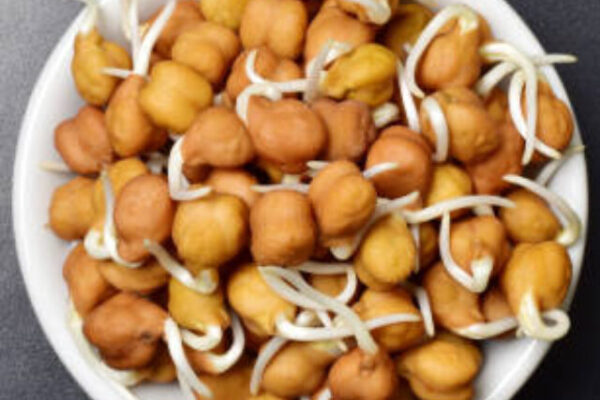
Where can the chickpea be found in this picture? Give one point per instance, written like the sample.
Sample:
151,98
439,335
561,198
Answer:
278,24
145,279
255,302
209,48
236,182
531,220
350,128
412,154
209,232
386,256
496,104
268,65
83,141
225,12
196,174
473,134
87,287
219,138
331,23
443,368
143,210
396,337
428,244
194,310
71,209
331,285
366,74
343,201
265,396
162,369
360,376
299,368
286,132
283,228
487,174
91,54
175,95
405,27
130,130
359,10
495,305
452,305
449,181
232,384
126,329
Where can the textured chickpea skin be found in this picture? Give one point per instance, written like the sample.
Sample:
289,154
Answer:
218,138
386,256
225,12
405,27
145,279
473,133
412,154
396,337
350,128
236,182
286,132
210,231
360,376
83,141
71,208
283,228
443,368
343,201
126,329
256,303
279,24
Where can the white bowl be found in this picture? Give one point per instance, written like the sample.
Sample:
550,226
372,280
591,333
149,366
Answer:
508,364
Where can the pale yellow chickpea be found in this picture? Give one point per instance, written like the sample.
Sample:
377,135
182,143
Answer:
225,12
144,280
350,128
449,181
405,27
83,141
443,368
233,181
366,74
386,256
283,228
473,133
87,287
71,209
396,337
278,24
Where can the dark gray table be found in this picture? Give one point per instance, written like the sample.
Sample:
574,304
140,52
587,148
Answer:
30,28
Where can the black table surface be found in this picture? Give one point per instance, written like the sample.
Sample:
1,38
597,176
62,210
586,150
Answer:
29,29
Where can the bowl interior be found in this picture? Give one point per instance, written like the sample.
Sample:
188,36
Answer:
507,363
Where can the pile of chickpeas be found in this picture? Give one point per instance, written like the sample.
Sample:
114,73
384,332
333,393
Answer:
304,199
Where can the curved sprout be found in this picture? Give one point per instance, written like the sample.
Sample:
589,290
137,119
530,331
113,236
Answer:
90,16
415,230
571,222
380,169
550,169
267,90
142,57
211,338
299,187
220,363
55,167
533,325
133,22
287,292
378,11
331,51
488,330
436,116
408,102
319,268
385,114
179,186
251,73
94,245
437,210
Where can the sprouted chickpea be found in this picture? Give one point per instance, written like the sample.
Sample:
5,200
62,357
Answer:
146,279
449,181
230,385
428,244
531,220
233,181
225,12
377,12
72,210
405,27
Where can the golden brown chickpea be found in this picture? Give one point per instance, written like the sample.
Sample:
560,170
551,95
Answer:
162,369
175,95
496,104
226,218
126,329
265,396
331,285
219,138
343,201
144,280
255,302
268,65
92,54
361,13
449,181
233,384
83,141
360,376
130,130
428,244
209,48
286,132
143,210
396,337
495,305
350,128
487,174
278,24
366,74
71,209
299,368
196,174
331,23
236,182
87,287
473,133
412,154
386,256
225,12
443,368
452,305
283,228
531,220
405,27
